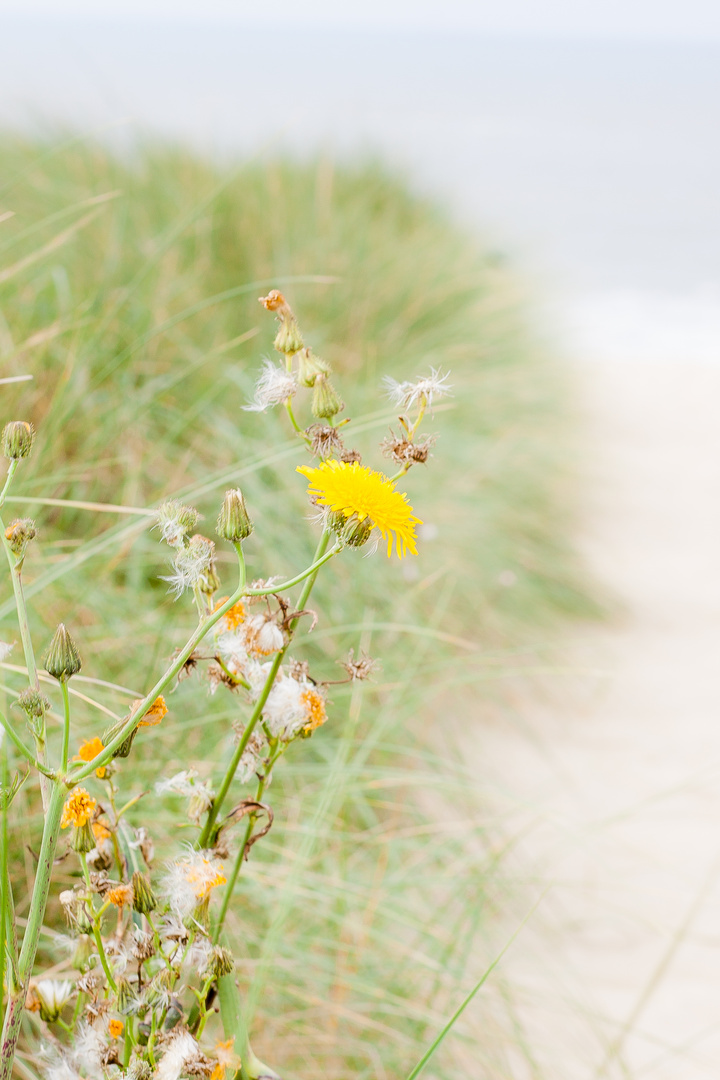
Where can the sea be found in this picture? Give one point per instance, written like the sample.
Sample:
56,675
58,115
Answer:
593,165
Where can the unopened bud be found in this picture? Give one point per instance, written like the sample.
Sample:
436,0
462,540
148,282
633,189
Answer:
326,402
144,899
18,437
289,339
84,949
82,839
125,996
63,659
19,534
234,522
356,532
310,366
123,750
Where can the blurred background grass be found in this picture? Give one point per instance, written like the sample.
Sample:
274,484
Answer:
128,289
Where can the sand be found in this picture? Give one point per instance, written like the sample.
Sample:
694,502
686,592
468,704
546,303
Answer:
616,774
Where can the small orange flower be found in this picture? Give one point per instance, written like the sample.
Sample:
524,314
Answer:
100,831
226,1056
90,749
234,616
315,709
155,713
78,809
120,896
115,1029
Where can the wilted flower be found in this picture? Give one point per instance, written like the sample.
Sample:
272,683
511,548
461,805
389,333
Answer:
193,566
293,706
180,1052
175,521
190,880
362,668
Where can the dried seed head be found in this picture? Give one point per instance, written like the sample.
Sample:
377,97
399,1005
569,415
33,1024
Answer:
360,669
234,522
33,703
18,437
18,534
404,452
324,440
220,962
63,659
326,402
175,521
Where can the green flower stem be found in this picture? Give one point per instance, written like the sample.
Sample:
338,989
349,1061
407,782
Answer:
66,726
4,882
16,1000
240,857
8,480
16,576
105,756
309,575
296,580
97,916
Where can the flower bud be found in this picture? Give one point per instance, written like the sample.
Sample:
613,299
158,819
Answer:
144,899
63,659
19,534
352,531
83,951
123,750
289,339
18,437
326,402
310,366
125,996
233,522
82,839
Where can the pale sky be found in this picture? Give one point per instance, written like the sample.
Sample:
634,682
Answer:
615,18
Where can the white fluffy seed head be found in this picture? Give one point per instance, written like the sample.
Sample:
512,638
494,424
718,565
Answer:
426,390
274,386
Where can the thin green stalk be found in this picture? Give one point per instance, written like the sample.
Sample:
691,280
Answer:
4,883
66,726
97,916
310,576
16,1001
8,480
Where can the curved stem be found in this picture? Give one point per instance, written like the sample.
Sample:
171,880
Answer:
281,586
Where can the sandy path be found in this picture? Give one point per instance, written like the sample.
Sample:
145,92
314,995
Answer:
620,788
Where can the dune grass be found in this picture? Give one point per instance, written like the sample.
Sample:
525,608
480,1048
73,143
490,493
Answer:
128,289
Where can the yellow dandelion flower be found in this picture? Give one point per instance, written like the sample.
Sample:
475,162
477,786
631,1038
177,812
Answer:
115,1029
315,710
121,895
155,713
351,488
78,809
90,749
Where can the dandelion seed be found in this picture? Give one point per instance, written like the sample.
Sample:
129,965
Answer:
190,880
78,809
292,707
425,391
354,489
5,651
274,386
88,1048
180,1052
